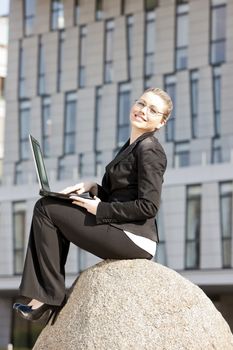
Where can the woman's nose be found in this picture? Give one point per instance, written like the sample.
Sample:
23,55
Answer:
144,109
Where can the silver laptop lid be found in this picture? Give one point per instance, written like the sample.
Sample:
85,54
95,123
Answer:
39,163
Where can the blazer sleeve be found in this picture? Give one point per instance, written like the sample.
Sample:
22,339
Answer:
151,163
99,191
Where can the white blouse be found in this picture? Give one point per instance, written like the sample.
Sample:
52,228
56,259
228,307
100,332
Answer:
145,243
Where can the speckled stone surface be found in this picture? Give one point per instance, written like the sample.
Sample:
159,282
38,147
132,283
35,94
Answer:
136,305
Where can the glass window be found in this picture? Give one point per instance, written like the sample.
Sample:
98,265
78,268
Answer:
226,222
2,87
170,88
82,56
1,169
182,33
57,20
46,126
24,129
149,44
19,216
124,105
182,154
61,168
19,178
97,139
99,11
41,73
193,226
109,37
61,41
150,5
122,7
98,114
76,12
194,77
99,164
217,99
29,16
82,257
218,34
216,150
80,164
129,28
161,256
70,123
22,76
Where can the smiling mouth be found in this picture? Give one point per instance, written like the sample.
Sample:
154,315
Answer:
138,117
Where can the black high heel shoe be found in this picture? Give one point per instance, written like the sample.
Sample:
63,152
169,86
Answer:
30,314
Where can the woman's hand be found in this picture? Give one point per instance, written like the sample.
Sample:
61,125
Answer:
89,204
79,188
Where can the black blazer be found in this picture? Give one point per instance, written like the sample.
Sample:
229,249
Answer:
131,187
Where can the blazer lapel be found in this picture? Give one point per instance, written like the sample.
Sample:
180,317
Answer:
126,149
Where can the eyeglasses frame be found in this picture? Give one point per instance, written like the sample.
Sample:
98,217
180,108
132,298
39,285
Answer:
146,105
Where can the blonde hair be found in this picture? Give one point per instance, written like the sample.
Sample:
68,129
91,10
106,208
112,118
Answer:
166,98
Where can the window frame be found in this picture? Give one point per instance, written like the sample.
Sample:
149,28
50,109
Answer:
23,139
178,153
123,89
27,18
21,250
99,14
41,75
227,194
109,22
179,48
197,240
21,73
150,17
211,41
52,12
194,80
45,137
169,80
60,59
98,113
73,132
129,23
82,47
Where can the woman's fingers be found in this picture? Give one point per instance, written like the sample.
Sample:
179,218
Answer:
78,188
89,204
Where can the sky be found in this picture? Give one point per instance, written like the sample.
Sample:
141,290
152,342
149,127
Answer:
4,7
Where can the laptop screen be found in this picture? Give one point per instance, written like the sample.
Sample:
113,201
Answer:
39,162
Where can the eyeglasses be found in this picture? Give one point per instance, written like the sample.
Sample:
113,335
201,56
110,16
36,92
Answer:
152,111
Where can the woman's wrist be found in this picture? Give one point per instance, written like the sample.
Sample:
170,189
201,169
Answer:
93,189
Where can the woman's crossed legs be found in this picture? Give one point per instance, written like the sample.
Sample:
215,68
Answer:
55,224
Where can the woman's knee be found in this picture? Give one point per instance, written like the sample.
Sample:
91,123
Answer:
149,256
40,204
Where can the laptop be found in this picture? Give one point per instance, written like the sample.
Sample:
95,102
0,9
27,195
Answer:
42,174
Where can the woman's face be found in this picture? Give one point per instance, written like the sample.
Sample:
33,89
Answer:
146,113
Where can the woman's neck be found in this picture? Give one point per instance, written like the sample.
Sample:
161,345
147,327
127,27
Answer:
135,133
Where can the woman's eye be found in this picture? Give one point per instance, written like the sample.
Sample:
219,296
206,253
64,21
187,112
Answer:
141,104
153,111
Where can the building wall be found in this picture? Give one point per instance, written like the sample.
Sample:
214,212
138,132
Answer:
3,73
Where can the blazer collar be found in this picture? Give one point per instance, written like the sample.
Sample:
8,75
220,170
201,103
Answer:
127,148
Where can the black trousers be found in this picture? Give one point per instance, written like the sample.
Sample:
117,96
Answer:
56,223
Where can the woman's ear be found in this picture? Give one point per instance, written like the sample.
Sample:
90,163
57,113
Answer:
162,123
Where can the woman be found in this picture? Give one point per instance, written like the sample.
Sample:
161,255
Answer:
118,222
